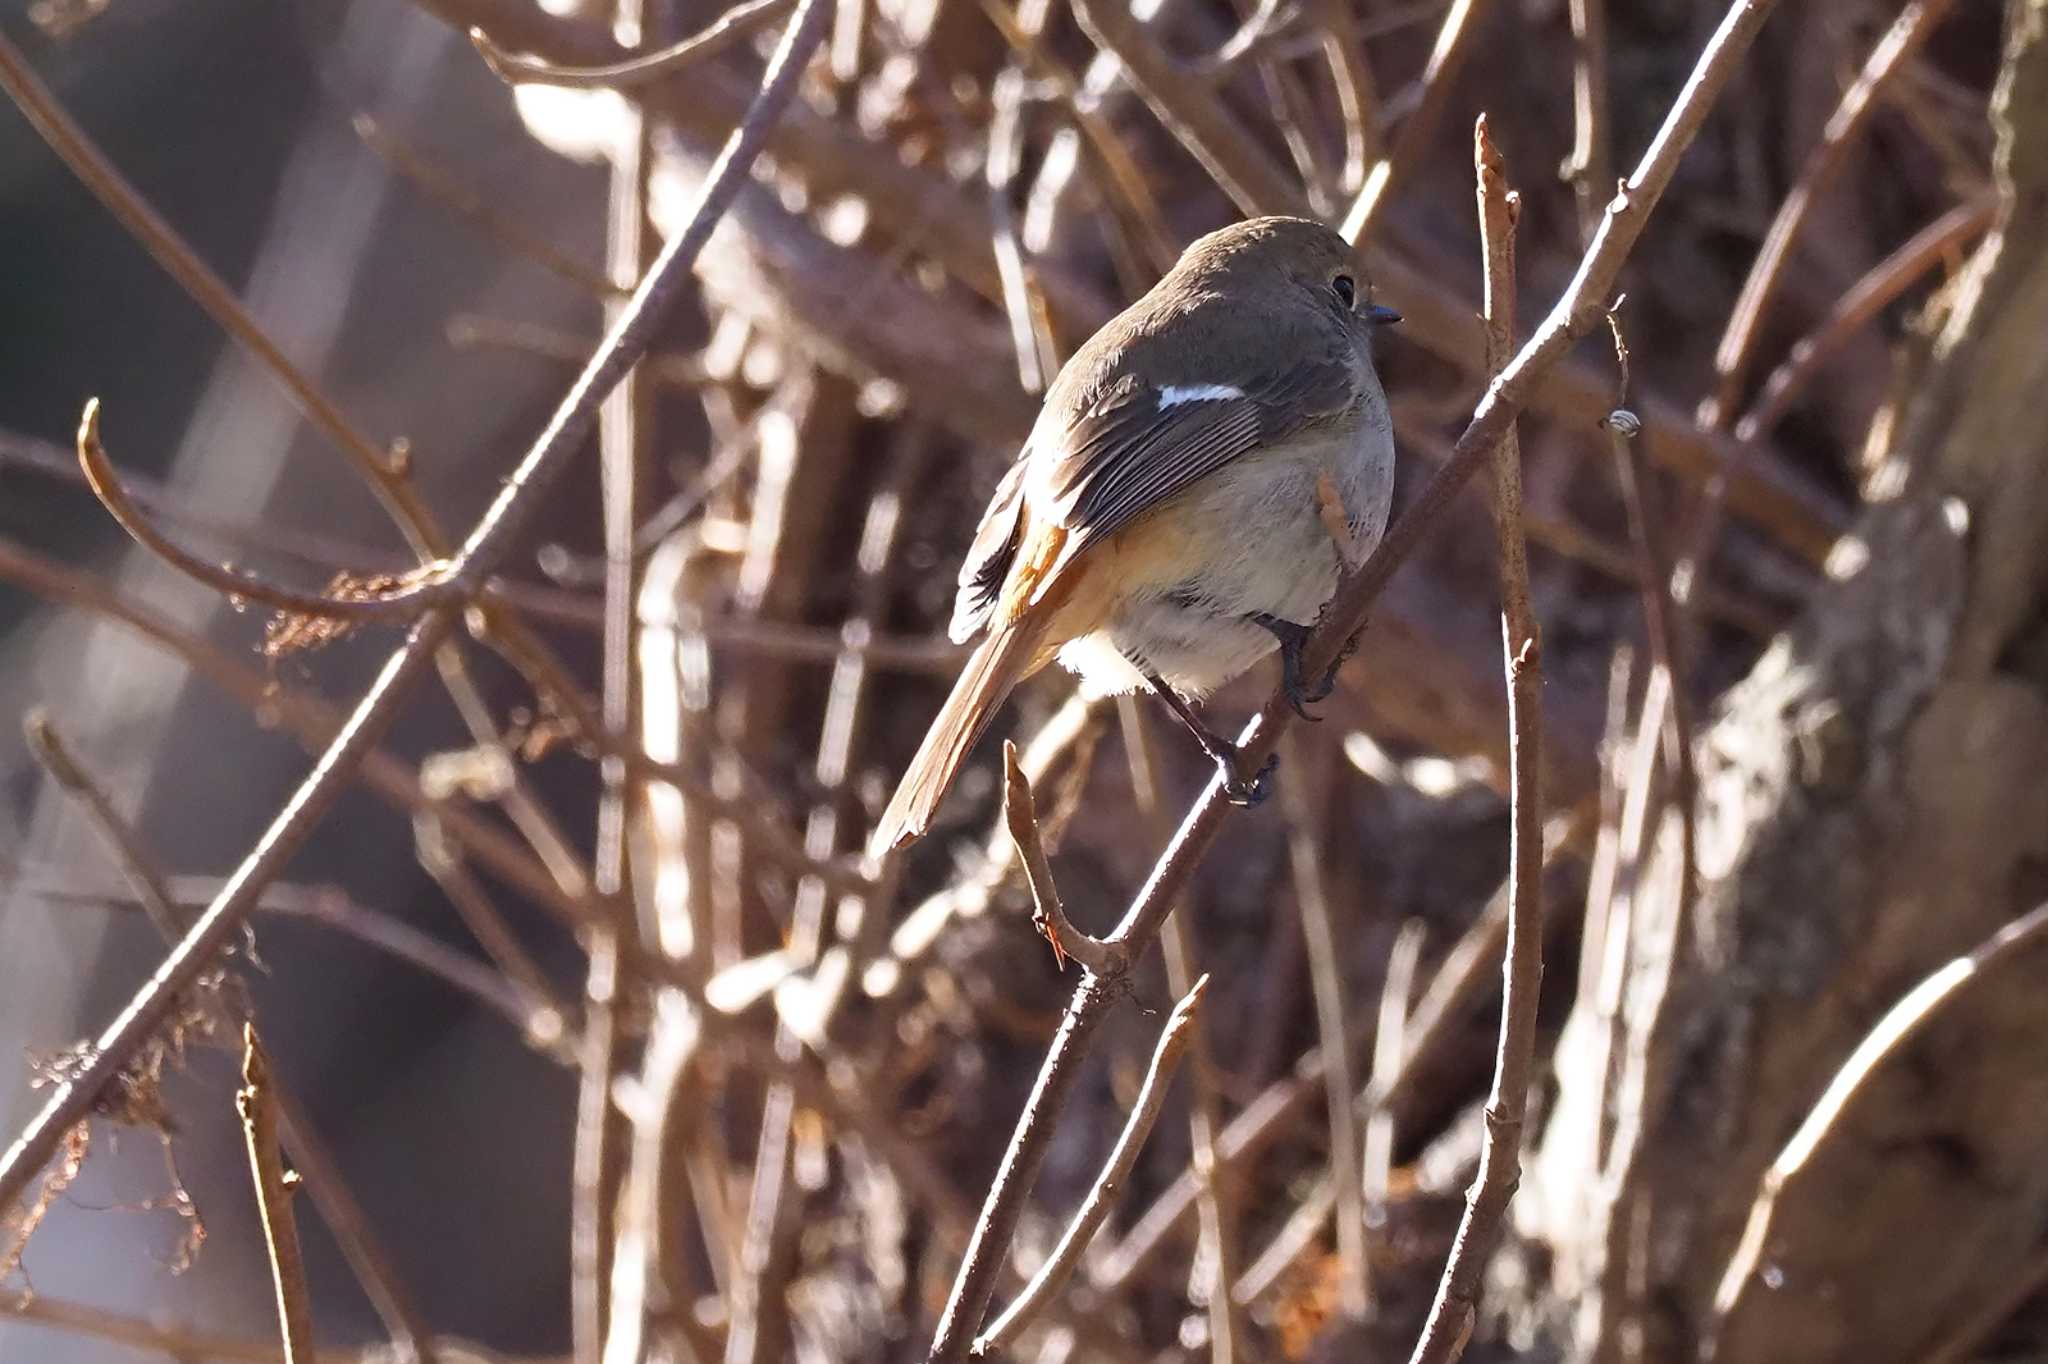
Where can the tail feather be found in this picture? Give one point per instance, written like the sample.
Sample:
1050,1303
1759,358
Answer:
1003,660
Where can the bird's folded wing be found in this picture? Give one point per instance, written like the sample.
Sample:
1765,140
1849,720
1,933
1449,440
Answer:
1135,447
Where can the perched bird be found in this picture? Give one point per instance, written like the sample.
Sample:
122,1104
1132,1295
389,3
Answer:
1164,525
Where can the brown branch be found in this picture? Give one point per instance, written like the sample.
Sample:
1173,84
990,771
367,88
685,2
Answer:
1577,312
1049,915
1439,1021
1326,980
1878,288
1357,96
1390,1052
299,542
384,475
400,603
1445,60
1914,1012
1590,167
1916,22
310,720
597,1164
516,504
1450,1316
1667,704
544,1013
472,208
1192,112
731,28
274,1188
330,908
1101,1197
137,1333
1036,362
359,1245
1216,1204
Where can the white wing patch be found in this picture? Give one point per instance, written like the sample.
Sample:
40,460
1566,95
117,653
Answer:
1173,395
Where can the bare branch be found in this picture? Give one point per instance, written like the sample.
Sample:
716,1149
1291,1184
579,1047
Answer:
1101,1200
731,28
1450,1316
258,1109
1020,815
1445,58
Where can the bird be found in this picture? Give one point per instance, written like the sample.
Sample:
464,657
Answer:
1164,526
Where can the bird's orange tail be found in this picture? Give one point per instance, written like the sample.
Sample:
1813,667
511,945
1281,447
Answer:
1003,660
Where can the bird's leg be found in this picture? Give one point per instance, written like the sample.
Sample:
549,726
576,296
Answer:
1292,639
1236,788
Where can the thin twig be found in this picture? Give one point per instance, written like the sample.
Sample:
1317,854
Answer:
1390,1052
546,1014
1049,915
1304,810
1438,1023
1917,1010
474,209
1915,24
1216,1206
331,908
734,26
1450,1316
1131,191
359,1245
1576,313
1036,362
310,720
1673,709
1880,286
1445,60
409,596
597,1164
1590,165
517,502
1357,97
170,1341
1193,113
274,1187
164,245
1101,1198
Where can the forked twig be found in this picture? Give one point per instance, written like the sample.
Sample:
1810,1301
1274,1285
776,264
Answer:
1101,1199
1049,914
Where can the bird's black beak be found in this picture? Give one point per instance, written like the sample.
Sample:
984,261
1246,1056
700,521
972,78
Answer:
1381,316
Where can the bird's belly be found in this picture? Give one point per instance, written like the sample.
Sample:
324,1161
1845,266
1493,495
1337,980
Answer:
1248,540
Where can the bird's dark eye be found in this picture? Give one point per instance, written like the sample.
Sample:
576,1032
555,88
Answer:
1346,290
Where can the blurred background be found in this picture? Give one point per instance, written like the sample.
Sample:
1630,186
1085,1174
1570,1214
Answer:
516,992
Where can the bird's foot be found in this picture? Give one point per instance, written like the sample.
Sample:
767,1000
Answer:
1293,639
1240,790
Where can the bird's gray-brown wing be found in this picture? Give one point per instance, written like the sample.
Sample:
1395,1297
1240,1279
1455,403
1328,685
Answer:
1109,447
1133,447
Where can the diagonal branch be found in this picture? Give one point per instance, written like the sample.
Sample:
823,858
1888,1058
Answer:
517,503
1101,1199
